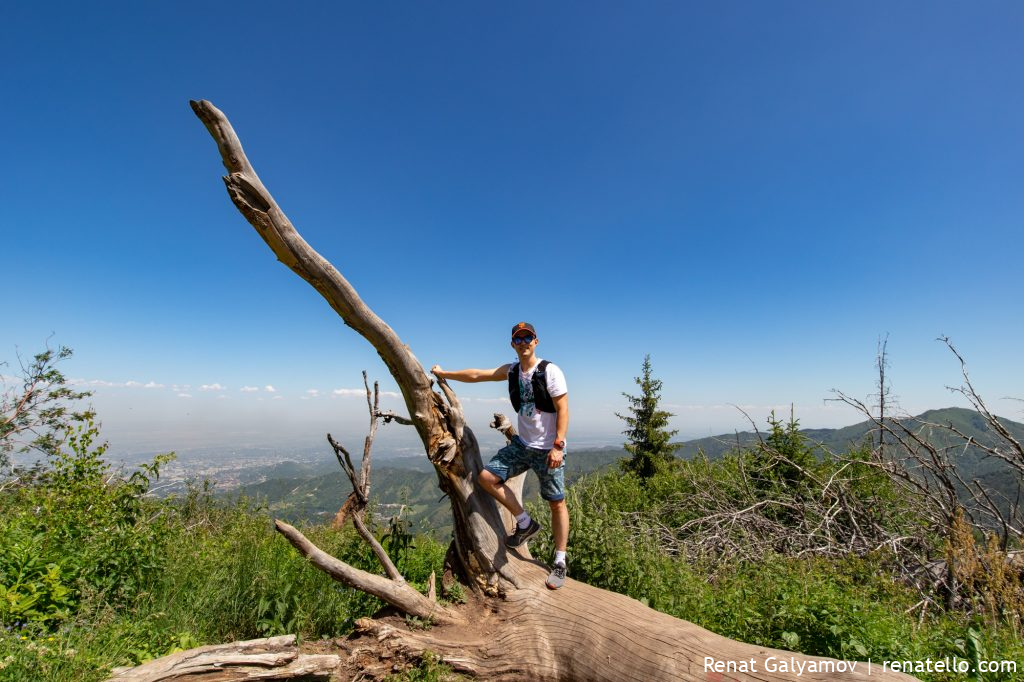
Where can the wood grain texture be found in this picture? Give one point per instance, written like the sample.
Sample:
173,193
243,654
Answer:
274,658
583,633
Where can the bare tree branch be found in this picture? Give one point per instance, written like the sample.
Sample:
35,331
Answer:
397,593
355,506
258,206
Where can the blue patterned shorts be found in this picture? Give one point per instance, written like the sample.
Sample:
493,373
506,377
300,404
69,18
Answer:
515,458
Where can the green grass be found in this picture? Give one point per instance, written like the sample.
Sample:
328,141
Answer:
224,575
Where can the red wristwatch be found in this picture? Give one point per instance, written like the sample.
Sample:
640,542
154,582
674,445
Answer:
559,445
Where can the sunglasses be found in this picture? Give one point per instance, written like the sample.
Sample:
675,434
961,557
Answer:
525,338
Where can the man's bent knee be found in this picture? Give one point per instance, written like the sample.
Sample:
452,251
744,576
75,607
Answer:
557,505
489,480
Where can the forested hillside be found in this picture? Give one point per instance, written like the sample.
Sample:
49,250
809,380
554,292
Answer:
409,483
406,486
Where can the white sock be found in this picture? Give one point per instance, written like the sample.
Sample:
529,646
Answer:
523,520
560,557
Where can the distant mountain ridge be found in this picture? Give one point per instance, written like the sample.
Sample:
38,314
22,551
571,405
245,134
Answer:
842,439
295,492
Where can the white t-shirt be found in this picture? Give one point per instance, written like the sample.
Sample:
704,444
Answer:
536,428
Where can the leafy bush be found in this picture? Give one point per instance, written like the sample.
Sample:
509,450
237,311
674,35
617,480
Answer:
76,527
224,575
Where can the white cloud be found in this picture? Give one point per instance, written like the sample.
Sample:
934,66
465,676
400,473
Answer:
361,392
486,400
184,387
313,392
278,397
269,389
101,383
249,389
184,395
212,387
91,382
221,397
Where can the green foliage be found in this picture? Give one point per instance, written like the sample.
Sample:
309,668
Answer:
229,576
786,451
224,575
94,573
647,427
601,545
75,528
430,669
31,590
848,607
38,413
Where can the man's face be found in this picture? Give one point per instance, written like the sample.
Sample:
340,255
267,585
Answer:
524,344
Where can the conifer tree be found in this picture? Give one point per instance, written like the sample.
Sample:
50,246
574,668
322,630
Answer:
647,427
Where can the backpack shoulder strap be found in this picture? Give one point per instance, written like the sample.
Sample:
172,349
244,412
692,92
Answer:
513,386
542,399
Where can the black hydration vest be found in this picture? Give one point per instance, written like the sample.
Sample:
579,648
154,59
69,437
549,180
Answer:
541,398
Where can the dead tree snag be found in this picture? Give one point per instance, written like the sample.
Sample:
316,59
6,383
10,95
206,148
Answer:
514,628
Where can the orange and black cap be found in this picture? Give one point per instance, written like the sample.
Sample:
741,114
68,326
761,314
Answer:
522,327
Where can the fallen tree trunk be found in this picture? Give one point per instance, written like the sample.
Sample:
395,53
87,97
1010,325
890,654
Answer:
274,658
514,628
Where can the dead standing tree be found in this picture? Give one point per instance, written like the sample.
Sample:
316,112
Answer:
922,458
514,628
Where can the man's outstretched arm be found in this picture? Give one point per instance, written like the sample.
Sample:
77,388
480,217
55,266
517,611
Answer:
471,376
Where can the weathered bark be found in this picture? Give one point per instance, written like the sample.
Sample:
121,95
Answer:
398,593
275,658
525,631
584,633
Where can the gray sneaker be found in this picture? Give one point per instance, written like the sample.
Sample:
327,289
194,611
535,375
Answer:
557,577
521,535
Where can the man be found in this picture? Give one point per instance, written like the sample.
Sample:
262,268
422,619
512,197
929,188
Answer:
539,394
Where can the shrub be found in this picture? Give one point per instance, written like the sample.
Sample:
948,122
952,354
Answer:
76,527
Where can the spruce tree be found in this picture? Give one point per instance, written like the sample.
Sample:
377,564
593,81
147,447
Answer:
647,427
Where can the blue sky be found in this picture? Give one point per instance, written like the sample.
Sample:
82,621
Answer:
750,192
